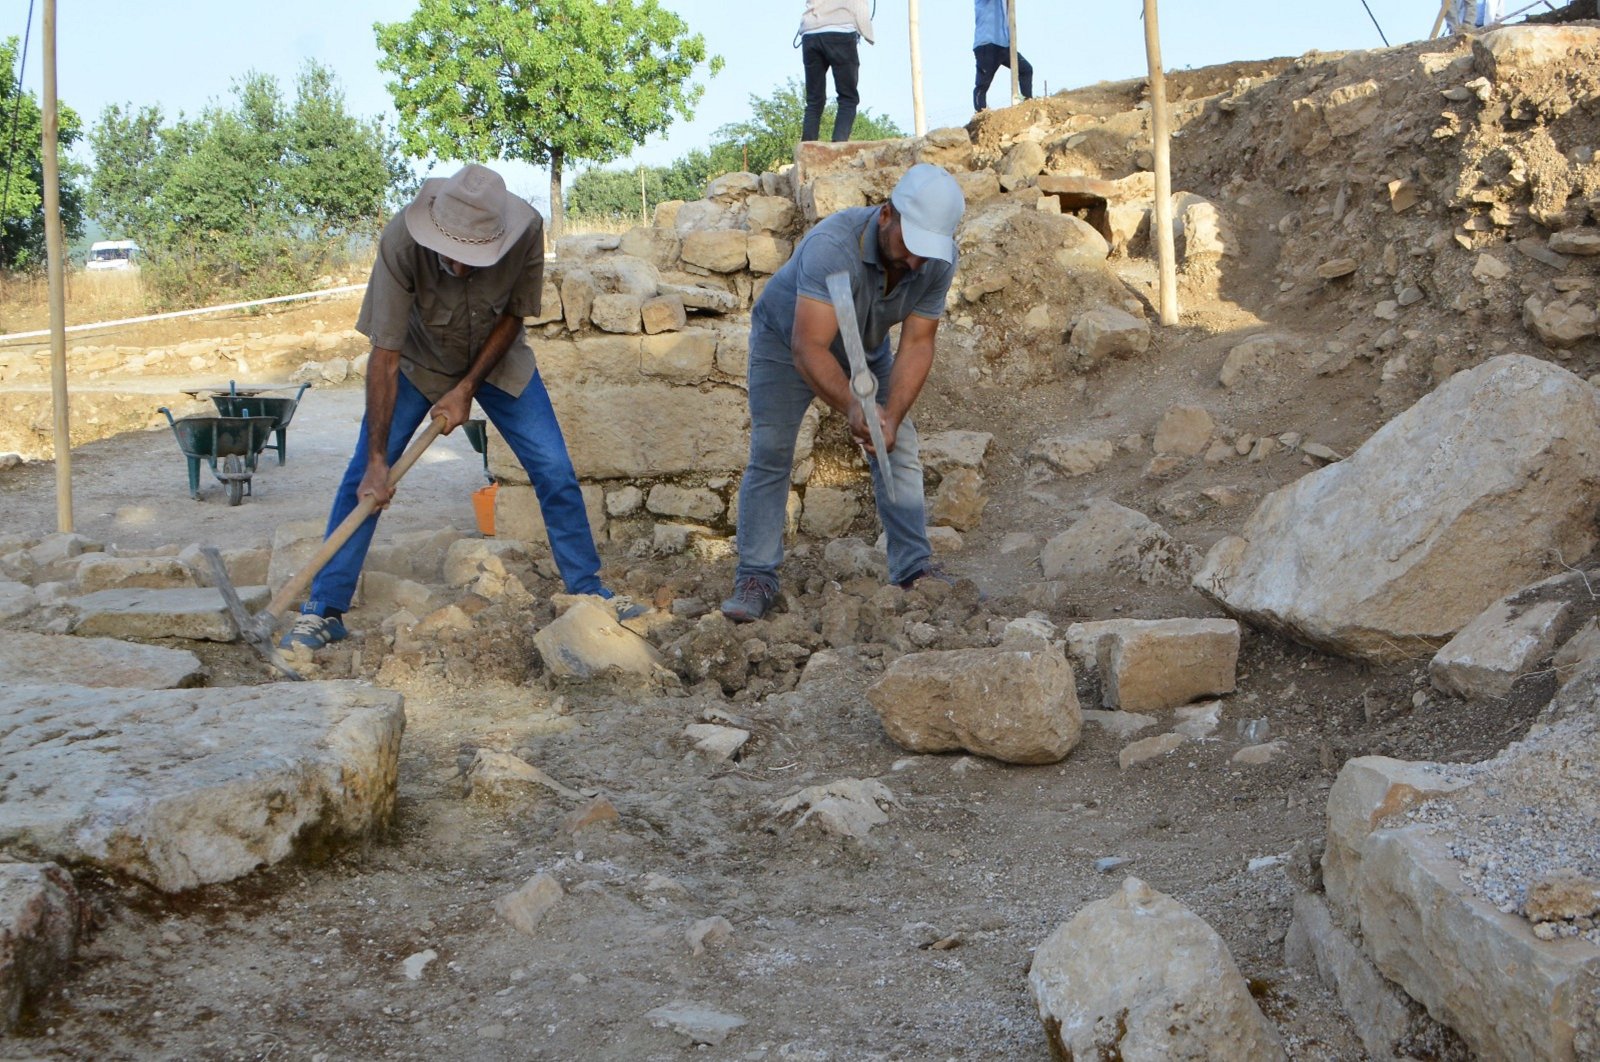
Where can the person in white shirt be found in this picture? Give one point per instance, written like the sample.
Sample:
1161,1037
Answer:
829,30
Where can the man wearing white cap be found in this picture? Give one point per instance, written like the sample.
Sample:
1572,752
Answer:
900,258
456,273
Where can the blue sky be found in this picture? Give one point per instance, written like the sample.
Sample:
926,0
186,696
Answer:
184,53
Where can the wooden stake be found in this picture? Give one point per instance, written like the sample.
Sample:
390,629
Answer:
55,268
1161,150
919,118
1011,31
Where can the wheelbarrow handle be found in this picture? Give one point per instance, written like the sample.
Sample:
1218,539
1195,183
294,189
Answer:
297,585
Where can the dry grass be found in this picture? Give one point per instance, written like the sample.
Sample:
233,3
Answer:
112,295
577,225
100,296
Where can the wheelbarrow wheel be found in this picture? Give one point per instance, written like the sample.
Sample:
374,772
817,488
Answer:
233,478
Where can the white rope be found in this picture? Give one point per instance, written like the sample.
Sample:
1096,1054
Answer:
186,313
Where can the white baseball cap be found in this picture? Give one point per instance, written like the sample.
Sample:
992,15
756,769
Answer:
930,204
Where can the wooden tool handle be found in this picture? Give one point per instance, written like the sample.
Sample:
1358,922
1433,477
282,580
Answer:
296,586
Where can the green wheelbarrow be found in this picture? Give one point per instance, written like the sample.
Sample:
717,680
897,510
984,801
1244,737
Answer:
234,441
251,402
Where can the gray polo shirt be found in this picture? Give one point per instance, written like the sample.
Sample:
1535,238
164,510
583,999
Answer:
848,241
438,322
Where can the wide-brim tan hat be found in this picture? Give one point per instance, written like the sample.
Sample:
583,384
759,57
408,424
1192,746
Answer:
468,216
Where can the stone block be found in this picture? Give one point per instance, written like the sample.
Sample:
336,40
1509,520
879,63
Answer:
179,788
692,503
664,313
616,313
44,659
1018,706
1108,332
688,356
770,214
716,250
578,291
828,511
767,254
1139,975
198,614
1504,643
518,520
1154,664
586,642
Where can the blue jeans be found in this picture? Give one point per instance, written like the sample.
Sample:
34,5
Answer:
528,423
779,396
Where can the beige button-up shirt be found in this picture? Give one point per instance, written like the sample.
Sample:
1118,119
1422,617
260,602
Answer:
438,322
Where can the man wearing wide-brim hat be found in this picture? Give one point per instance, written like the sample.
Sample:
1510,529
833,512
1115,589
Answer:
456,273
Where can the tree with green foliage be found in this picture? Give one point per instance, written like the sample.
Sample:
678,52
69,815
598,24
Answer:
130,171
22,242
256,197
601,193
761,143
540,81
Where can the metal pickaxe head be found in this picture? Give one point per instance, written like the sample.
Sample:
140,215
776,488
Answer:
257,631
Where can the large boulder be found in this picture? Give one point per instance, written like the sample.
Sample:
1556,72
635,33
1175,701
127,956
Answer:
1140,977
1466,496
179,788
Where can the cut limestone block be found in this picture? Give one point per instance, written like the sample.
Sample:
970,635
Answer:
1151,664
1019,706
44,659
179,788
196,614
1504,643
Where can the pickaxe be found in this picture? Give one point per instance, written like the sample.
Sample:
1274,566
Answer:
259,631
863,384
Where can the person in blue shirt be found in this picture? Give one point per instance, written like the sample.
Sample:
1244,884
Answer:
900,258
991,49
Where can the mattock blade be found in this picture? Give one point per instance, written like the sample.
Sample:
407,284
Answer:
863,384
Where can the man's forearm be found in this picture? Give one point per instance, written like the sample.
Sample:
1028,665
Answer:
911,367
818,367
383,384
501,336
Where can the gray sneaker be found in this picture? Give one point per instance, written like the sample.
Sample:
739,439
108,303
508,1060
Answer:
750,601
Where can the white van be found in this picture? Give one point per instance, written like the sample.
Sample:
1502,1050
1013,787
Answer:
112,254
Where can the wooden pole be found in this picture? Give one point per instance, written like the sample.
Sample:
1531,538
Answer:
644,204
1011,32
1163,164
55,267
919,117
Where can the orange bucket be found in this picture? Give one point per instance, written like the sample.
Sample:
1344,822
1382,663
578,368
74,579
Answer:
483,508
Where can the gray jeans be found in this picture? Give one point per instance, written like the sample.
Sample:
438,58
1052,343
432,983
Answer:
779,396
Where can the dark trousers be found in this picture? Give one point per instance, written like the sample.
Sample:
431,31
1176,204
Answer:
821,52
990,58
